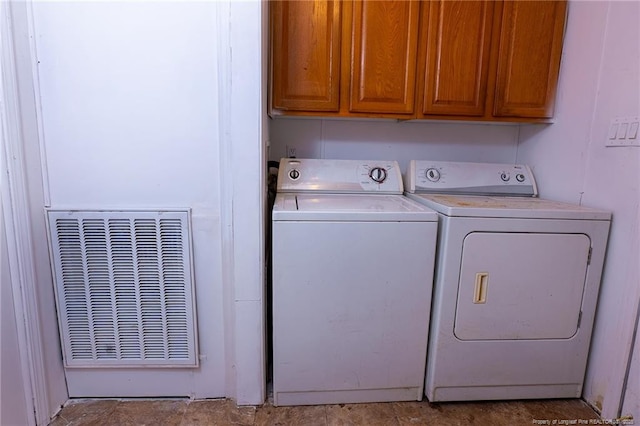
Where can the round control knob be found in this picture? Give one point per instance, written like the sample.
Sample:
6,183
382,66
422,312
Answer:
433,174
505,176
294,174
378,174
520,177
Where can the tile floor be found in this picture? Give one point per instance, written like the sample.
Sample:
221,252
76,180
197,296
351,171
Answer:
174,412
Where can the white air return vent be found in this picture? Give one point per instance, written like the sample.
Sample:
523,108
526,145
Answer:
124,287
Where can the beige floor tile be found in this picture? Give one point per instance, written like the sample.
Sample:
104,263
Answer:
559,409
374,414
414,413
424,413
148,413
490,412
218,412
226,413
312,415
85,412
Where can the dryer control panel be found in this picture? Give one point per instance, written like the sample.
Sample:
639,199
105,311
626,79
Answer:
449,177
339,176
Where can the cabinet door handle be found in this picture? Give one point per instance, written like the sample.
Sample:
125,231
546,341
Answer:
480,291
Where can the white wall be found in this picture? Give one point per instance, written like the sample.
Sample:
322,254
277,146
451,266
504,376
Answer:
243,169
631,405
599,80
32,275
129,96
155,105
389,139
13,406
129,99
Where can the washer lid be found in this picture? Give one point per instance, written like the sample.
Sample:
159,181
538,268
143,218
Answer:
350,207
510,207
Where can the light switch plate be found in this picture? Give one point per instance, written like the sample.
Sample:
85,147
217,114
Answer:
623,131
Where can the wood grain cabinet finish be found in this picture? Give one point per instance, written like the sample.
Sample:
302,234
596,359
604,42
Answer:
531,39
383,56
305,55
455,68
480,60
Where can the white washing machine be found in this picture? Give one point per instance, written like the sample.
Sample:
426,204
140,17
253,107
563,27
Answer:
516,286
353,263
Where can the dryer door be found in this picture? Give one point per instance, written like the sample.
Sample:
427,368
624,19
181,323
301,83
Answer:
521,286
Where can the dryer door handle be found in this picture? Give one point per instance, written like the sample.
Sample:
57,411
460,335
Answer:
480,291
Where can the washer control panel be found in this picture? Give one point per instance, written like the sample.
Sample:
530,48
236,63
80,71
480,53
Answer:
470,178
339,176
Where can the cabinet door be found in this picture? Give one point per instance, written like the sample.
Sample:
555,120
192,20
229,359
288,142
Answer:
305,55
529,58
458,38
383,56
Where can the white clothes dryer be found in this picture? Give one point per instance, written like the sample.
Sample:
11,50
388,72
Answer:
353,264
517,280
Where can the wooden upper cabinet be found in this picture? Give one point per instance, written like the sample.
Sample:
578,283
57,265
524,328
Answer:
484,60
529,54
305,55
456,62
384,44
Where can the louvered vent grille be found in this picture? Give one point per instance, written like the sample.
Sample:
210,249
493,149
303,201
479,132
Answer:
124,287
